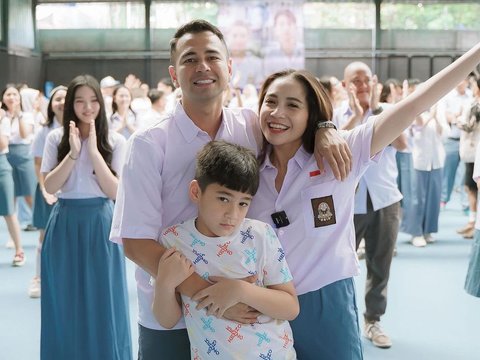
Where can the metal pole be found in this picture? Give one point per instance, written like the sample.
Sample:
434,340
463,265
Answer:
376,37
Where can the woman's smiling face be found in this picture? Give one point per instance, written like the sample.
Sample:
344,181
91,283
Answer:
284,112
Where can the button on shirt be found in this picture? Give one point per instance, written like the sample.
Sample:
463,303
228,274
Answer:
82,182
381,178
153,189
4,131
317,256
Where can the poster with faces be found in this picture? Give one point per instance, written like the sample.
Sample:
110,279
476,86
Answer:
262,37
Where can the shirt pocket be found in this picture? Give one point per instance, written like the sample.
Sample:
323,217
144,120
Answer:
319,208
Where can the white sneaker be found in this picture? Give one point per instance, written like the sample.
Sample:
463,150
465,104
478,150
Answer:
374,332
429,238
418,241
35,288
361,250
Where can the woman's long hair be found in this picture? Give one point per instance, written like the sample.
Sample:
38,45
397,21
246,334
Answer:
101,126
319,105
115,105
50,113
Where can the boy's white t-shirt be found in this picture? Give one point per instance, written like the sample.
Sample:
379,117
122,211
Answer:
253,249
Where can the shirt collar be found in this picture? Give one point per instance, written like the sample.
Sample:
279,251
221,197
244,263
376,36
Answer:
301,158
188,128
347,112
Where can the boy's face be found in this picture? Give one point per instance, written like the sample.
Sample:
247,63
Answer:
220,210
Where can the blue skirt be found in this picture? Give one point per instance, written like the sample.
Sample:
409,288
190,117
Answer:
84,304
472,282
327,326
41,210
21,159
425,208
6,187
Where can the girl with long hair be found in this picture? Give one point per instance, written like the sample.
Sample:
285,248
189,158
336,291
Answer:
123,120
84,308
44,201
20,144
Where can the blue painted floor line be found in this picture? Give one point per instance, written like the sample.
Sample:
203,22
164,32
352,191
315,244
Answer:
429,315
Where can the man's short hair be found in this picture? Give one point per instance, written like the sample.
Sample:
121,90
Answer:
154,95
194,27
229,165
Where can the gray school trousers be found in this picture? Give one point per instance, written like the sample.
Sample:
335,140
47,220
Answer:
379,229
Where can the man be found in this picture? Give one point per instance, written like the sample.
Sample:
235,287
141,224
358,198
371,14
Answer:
377,202
160,163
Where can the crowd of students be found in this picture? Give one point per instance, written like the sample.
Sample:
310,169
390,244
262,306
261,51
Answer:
245,250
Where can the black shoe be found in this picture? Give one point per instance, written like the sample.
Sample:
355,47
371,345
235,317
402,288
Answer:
29,227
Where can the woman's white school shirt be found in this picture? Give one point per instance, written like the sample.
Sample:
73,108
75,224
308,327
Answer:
82,182
319,243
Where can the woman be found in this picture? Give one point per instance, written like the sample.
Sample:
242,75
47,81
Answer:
7,208
43,200
428,154
123,119
84,294
316,228
19,155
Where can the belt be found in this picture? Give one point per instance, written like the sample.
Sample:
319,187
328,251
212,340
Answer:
455,139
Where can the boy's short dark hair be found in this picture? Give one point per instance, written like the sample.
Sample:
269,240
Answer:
229,165
194,27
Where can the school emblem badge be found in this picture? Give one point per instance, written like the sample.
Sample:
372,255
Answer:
323,211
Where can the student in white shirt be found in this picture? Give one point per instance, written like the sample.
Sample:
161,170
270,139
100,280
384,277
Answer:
221,242
43,204
316,229
157,113
7,207
84,308
124,119
428,153
449,109
19,155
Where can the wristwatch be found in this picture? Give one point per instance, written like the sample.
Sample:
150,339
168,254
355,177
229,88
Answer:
326,125
377,110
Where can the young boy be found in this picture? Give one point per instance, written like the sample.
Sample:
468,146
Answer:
222,246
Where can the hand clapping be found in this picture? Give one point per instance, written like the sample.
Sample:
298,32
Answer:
92,139
74,141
